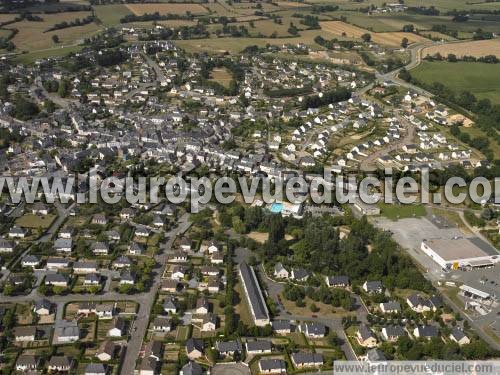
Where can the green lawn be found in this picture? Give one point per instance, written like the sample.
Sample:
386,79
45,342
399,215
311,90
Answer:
29,58
401,211
35,221
483,80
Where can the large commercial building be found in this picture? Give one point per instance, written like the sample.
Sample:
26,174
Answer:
460,252
255,300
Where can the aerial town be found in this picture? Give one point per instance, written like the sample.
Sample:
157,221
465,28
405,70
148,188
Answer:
91,90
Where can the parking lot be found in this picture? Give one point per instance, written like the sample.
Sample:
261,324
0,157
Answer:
410,233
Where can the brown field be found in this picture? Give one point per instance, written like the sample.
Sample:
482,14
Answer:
222,76
291,4
164,8
249,18
474,48
7,17
31,35
351,31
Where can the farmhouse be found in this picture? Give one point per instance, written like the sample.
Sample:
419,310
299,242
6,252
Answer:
254,295
460,253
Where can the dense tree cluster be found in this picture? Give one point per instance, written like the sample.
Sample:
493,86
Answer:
111,57
156,16
425,11
76,22
339,94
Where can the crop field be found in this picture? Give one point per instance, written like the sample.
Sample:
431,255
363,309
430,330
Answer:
291,4
481,79
164,8
390,38
31,36
442,5
476,48
238,44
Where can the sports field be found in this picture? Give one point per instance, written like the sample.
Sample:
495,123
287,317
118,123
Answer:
483,80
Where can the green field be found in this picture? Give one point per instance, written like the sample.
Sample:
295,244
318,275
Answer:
442,5
35,221
483,80
29,58
110,15
401,211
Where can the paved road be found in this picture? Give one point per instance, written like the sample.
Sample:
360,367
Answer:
141,322
409,233
370,162
392,76
274,289
145,300
62,215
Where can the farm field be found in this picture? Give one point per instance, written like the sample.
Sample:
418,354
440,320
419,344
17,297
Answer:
28,58
442,5
475,48
291,4
238,44
483,80
31,35
396,21
111,14
164,8
351,31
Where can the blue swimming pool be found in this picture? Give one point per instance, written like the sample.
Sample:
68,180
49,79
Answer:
277,208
